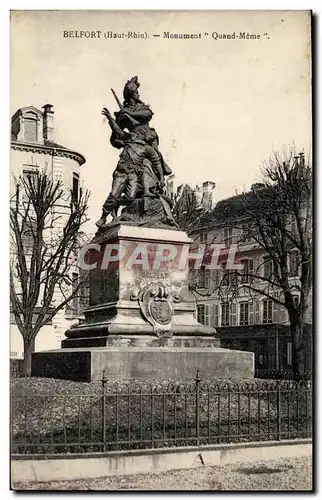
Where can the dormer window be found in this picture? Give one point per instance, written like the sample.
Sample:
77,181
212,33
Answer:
26,125
30,129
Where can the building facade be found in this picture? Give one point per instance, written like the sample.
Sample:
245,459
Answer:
33,150
244,320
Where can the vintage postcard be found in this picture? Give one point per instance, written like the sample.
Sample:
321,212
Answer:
161,250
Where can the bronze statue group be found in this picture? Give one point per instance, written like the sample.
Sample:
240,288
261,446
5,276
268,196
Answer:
138,180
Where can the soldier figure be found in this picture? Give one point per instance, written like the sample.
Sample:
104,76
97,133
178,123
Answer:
140,170
133,113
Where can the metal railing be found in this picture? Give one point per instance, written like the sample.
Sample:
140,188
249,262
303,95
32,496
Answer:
281,375
136,415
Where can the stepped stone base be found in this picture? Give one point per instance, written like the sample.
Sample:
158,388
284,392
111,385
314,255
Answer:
124,363
141,320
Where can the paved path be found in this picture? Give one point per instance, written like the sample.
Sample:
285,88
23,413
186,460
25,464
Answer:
279,474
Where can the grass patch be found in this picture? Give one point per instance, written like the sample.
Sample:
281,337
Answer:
57,416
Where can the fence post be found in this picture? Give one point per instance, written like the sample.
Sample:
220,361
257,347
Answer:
278,408
197,381
104,380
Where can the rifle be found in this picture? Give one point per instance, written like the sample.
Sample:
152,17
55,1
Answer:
117,99
134,122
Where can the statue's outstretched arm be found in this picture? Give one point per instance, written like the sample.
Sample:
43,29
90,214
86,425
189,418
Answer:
117,132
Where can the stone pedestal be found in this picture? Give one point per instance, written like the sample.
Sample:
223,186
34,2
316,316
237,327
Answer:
141,320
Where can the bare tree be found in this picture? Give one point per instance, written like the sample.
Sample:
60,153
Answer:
280,222
276,216
46,233
186,209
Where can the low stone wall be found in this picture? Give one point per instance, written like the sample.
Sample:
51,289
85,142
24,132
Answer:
70,467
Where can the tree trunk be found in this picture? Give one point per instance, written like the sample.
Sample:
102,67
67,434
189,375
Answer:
28,349
298,364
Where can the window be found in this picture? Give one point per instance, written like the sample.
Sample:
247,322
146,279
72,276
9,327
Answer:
75,190
243,313
225,314
203,237
261,353
34,316
267,311
84,294
72,308
245,236
30,134
229,277
228,235
248,268
233,314
30,172
257,312
226,275
28,234
201,314
268,267
294,263
215,315
204,277
289,353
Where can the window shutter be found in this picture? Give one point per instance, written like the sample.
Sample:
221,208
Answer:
215,315
274,312
283,316
216,277
250,269
207,278
257,312
206,322
233,314
258,268
211,315
251,312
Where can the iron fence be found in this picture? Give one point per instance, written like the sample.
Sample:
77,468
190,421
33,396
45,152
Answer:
282,375
136,415
16,366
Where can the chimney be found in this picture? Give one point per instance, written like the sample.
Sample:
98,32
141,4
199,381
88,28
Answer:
48,122
208,188
257,186
302,159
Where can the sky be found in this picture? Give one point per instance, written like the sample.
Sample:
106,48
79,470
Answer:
221,107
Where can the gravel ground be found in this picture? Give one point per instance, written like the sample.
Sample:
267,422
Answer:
280,474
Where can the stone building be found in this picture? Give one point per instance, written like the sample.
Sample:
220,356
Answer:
189,202
33,149
245,322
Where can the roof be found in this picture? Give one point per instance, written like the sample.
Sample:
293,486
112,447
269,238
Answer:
52,144
48,147
226,211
